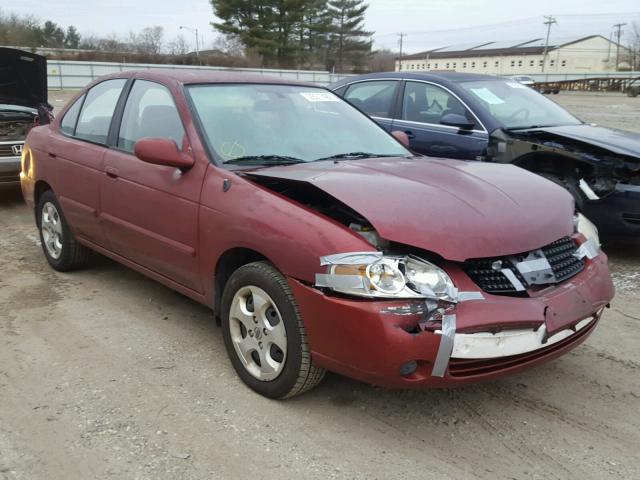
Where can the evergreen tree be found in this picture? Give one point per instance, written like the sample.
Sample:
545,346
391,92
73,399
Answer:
52,35
72,38
351,43
265,26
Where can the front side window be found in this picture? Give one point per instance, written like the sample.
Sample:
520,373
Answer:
427,103
98,108
374,98
150,112
296,123
517,106
68,124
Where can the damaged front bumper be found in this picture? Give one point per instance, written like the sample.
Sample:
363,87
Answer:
479,338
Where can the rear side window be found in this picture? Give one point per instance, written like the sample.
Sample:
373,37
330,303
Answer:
68,124
374,98
150,112
98,108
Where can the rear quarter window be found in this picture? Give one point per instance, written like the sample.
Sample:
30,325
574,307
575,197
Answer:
68,124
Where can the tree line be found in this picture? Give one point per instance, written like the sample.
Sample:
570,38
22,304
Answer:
27,31
298,33
319,34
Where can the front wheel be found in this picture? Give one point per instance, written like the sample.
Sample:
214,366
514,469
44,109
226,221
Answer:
264,334
60,248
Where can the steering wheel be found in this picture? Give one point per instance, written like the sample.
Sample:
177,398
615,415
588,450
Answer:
523,111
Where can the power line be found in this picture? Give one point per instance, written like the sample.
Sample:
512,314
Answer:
517,21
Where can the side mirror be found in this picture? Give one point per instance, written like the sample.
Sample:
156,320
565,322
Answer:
402,137
457,120
162,151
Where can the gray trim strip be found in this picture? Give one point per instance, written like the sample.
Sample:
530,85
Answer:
446,346
351,258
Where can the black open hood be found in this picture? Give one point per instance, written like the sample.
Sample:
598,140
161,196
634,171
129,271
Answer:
23,78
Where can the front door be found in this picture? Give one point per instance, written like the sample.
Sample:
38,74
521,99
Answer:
150,212
423,107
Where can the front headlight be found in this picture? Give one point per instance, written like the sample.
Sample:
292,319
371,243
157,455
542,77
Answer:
584,226
375,275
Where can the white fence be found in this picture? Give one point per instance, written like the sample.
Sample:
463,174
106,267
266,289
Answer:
64,74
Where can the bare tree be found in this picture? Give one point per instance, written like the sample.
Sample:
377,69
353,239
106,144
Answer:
179,46
148,41
634,46
229,44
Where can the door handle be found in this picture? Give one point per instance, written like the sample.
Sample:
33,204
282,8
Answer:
111,172
410,134
52,155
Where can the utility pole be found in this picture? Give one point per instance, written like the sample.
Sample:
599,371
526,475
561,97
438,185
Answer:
401,35
618,34
548,22
194,30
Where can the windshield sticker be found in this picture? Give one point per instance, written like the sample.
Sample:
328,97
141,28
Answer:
319,97
487,95
516,85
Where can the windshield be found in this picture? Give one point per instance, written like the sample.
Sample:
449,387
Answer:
285,123
518,106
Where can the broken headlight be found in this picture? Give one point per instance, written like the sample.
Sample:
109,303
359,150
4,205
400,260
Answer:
385,276
584,226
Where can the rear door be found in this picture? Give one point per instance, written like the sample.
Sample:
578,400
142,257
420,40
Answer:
150,212
76,158
376,98
423,106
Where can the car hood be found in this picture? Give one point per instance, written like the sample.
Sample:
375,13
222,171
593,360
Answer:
457,209
616,141
23,78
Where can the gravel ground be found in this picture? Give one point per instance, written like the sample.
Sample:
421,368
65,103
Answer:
107,374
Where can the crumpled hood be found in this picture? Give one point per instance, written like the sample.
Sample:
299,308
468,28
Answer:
616,141
456,209
23,78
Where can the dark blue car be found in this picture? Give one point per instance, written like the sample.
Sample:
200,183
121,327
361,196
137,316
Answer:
480,117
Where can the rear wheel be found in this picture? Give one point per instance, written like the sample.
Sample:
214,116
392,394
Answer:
264,334
60,248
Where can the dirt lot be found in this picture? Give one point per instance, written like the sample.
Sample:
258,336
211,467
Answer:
106,374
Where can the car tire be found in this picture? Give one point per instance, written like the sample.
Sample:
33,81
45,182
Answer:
60,248
569,184
261,325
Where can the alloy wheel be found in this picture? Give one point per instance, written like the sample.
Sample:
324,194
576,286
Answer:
258,333
51,225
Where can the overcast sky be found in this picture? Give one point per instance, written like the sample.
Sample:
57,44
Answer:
428,23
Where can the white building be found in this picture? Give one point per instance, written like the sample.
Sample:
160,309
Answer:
592,54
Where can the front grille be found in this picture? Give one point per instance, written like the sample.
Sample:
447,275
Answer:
465,368
6,151
487,272
489,279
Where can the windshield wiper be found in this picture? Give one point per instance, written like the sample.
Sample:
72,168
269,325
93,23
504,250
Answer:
355,155
264,160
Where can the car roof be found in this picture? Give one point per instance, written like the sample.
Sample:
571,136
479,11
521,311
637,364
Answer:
195,76
438,77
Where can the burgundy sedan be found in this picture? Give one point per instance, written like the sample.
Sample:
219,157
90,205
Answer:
319,241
